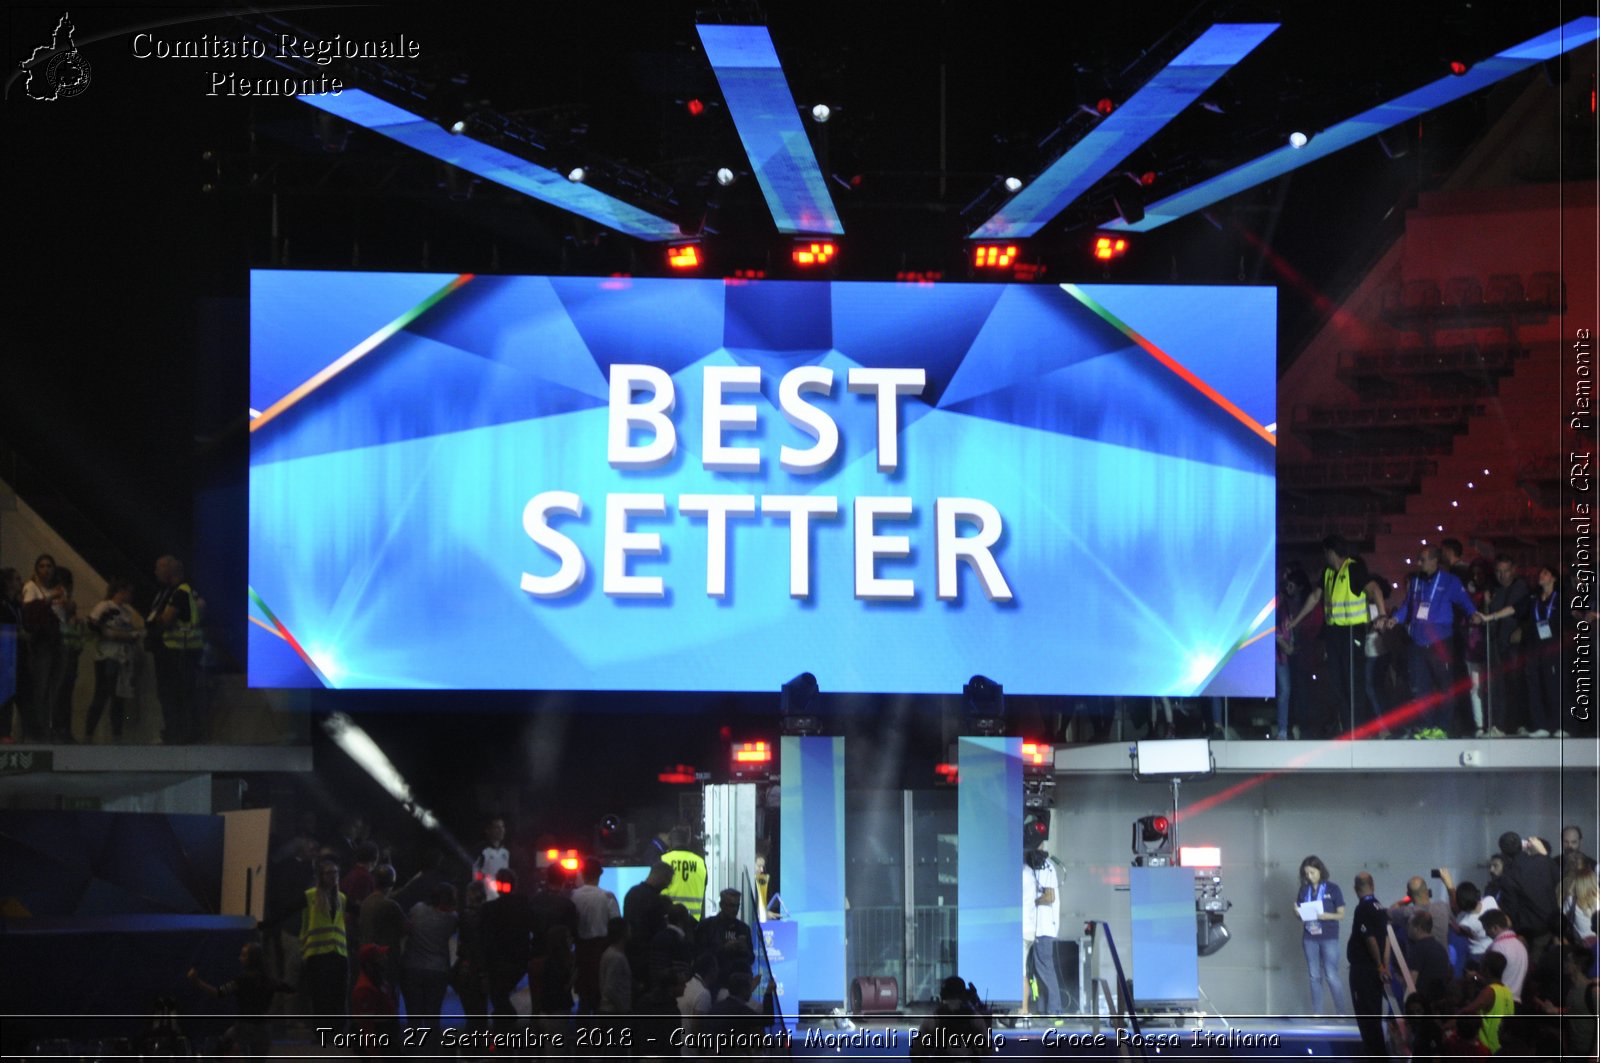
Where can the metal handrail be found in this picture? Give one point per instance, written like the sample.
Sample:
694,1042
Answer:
1122,1008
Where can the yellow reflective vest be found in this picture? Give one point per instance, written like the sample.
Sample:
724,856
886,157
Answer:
323,931
183,634
1343,605
688,885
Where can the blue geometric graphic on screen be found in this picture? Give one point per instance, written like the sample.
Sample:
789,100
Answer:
273,663
344,543
779,316
774,138
1029,332
1368,123
317,317
1182,323
492,164
932,326
1094,399
517,322
1122,132
1238,676
666,322
412,386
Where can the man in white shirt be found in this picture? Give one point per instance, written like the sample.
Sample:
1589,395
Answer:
1041,919
1471,906
1506,942
695,1002
493,858
596,908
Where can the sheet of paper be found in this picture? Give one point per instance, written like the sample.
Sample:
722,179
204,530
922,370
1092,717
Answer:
1309,909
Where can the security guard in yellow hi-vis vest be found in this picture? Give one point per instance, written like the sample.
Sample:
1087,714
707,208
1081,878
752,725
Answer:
323,938
1343,596
175,640
688,885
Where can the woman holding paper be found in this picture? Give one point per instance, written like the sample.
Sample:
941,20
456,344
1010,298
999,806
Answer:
1320,906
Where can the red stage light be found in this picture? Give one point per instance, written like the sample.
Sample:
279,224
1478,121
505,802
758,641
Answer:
684,256
570,863
813,253
678,775
752,753
994,256
1109,247
1037,755
1105,105
1458,68
695,108
1161,824
552,855
1147,178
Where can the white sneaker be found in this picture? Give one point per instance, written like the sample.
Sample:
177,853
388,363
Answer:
1540,733
1480,733
1522,732
1495,732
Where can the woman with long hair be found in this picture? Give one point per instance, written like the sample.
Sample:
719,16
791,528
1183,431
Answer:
1320,905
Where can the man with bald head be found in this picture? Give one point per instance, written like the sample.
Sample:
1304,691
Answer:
1433,598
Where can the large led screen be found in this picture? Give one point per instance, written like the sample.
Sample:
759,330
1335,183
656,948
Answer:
576,483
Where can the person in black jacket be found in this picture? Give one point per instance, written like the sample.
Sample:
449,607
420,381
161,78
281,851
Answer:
507,939
1529,887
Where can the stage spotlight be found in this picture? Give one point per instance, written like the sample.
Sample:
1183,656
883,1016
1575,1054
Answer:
1152,841
458,127
993,256
809,253
360,747
695,107
800,704
1298,139
1107,248
984,701
613,835
1013,184
821,113
1104,106
1459,68
726,177
1035,828
684,256
576,175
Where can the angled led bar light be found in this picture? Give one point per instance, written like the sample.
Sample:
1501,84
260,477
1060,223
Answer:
1368,123
1121,132
769,126
492,164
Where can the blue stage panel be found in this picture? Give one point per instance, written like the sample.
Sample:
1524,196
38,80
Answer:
989,866
492,164
1369,123
811,862
1138,119
770,127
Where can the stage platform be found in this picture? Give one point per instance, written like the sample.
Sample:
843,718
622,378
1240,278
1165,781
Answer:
1245,756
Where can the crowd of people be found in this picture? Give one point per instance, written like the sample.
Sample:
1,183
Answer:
1457,649
48,636
1505,968
349,941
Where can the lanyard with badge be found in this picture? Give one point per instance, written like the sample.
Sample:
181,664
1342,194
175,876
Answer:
1314,926
1542,623
1433,588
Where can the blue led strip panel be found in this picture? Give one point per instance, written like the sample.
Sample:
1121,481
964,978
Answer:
492,164
1369,123
769,125
1159,101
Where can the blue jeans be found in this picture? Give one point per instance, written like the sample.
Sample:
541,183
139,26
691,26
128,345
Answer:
1285,689
1042,962
1322,964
